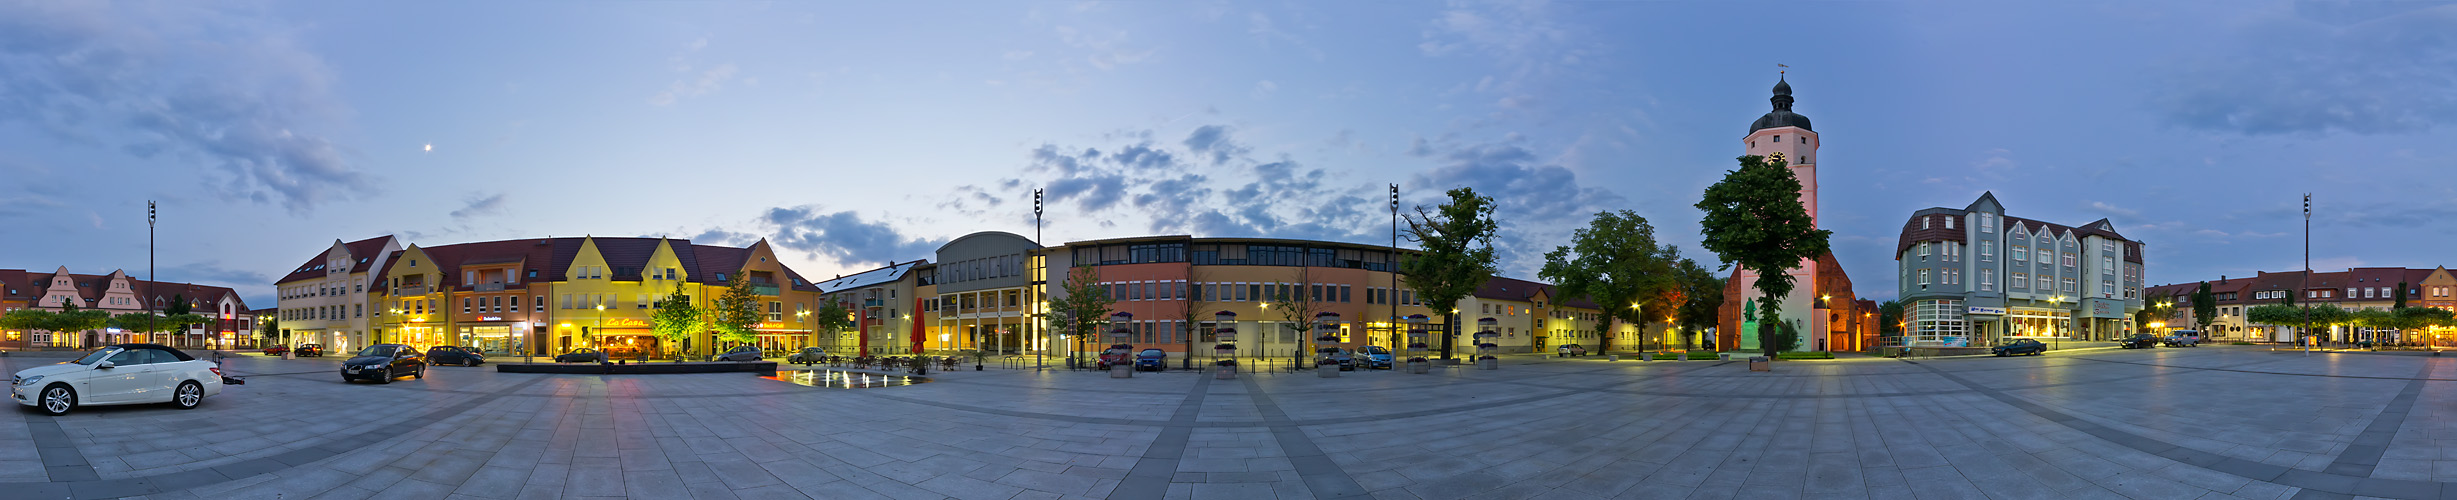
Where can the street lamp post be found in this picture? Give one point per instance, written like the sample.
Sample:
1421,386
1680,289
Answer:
600,331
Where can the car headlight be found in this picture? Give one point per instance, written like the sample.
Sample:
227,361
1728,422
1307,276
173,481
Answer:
30,380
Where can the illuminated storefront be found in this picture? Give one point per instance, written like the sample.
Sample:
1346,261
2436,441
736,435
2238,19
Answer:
2039,323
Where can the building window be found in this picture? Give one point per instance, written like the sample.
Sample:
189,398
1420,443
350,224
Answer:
1987,251
2020,281
1949,222
1923,251
2072,287
1923,279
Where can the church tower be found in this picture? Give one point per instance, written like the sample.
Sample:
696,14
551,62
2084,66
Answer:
1817,283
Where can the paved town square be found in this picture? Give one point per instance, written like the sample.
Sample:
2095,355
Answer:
2101,423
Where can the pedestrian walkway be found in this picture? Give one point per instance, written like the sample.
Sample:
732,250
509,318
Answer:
2211,422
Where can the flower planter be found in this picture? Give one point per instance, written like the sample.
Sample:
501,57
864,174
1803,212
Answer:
1225,372
1760,364
1646,356
1488,363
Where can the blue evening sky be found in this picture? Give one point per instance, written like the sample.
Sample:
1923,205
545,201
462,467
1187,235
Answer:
853,133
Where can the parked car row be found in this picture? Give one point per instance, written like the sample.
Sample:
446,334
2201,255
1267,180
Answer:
304,350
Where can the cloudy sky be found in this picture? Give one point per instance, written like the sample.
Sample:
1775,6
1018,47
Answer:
853,133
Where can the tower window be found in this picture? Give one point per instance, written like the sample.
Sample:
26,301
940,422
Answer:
1778,138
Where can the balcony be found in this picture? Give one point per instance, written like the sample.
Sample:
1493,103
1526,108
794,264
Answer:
873,303
488,287
758,289
409,290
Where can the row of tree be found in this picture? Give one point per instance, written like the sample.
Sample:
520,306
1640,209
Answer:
71,318
733,318
1754,219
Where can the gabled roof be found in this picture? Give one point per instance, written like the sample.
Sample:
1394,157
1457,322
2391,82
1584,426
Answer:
15,280
870,278
1519,290
362,252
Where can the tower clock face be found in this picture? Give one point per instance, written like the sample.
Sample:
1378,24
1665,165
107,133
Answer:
1777,156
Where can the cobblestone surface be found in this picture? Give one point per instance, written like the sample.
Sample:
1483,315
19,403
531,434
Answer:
2211,422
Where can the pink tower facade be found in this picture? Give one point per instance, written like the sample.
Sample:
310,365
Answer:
1784,134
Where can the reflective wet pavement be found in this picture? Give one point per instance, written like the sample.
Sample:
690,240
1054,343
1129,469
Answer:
2210,422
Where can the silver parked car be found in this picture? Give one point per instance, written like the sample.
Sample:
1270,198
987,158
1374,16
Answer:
740,353
120,374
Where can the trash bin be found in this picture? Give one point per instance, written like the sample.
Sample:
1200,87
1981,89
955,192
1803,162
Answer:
1121,371
1327,370
1488,363
1759,364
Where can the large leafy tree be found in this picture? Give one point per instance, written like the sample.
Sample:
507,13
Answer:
1889,318
1084,309
1457,256
676,319
736,316
1616,262
1705,293
72,319
2205,306
2401,296
832,319
269,330
1754,219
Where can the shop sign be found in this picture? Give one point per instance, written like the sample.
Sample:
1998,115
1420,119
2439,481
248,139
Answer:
1988,310
626,323
490,318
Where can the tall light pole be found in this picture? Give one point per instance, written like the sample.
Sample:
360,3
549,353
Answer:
2307,273
1390,295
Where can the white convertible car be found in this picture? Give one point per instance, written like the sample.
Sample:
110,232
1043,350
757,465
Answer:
118,375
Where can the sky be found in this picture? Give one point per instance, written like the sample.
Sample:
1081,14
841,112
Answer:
850,134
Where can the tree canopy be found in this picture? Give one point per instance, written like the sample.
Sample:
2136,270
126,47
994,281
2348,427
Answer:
1457,256
1616,262
2205,305
676,319
1754,219
1084,308
736,316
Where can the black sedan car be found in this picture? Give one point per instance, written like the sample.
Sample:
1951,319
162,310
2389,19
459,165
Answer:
2020,346
383,362
740,353
306,350
455,355
2138,341
580,356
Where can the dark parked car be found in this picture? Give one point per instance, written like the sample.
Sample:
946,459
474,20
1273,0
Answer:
2020,346
276,350
1118,354
1334,355
739,353
2138,341
1152,359
1376,357
2181,341
455,355
808,356
383,362
581,356
305,350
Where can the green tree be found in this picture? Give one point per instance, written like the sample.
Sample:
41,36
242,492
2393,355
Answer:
832,319
676,319
2401,296
1705,304
1754,219
1889,318
72,319
2426,317
1616,262
1084,309
736,314
179,305
24,320
2205,306
142,323
1457,256
181,322
269,330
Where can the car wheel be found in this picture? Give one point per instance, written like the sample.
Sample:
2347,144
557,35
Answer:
58,399
384,378
421,374
188,396
469,362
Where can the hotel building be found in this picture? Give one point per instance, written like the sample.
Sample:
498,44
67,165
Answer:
1973,276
